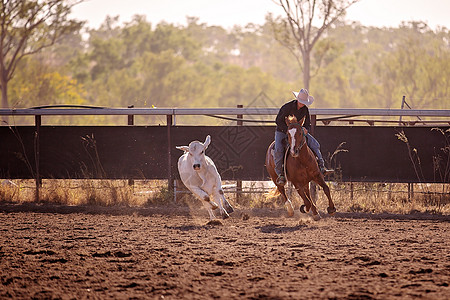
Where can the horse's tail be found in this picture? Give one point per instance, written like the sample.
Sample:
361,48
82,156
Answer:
273,193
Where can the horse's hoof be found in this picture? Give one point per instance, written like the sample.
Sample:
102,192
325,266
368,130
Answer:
316,217
303,209
289,208
331,210
214,223
225,215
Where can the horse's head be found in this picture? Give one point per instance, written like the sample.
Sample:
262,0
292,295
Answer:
296,134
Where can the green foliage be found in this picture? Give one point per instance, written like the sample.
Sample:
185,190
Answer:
197,65
418,67
28,27
37,83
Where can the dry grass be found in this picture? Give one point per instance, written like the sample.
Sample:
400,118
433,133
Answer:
390,197
358,197
83,192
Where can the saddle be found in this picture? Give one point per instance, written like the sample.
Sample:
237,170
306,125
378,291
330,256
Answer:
286,153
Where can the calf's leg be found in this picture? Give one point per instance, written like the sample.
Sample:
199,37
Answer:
220,200
226,205
203,196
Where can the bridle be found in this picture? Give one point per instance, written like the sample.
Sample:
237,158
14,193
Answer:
299,147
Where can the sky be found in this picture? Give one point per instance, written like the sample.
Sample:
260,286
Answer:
227,13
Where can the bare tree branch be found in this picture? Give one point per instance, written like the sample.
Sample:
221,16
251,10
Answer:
301,16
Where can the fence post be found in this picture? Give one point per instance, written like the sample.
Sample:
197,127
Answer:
401,107
130,117
130,123
313,186
410,191
239,182
170,184
351,190
37,120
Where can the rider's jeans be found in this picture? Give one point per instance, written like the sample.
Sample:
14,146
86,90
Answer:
278,156
314,145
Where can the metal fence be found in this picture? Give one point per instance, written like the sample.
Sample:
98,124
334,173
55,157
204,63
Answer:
358,153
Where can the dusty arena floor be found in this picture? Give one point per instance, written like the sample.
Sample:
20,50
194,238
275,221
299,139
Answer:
59,252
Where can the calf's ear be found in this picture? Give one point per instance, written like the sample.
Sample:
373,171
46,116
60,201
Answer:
184,148
207,141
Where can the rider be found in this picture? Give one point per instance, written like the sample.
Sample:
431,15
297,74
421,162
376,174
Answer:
299,108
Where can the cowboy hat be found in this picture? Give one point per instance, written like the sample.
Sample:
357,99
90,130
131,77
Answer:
303,97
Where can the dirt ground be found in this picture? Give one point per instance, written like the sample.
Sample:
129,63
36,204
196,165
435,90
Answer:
62,252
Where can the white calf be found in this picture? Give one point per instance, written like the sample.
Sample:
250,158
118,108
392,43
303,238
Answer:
200,176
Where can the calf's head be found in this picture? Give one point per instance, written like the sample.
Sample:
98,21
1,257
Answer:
196,152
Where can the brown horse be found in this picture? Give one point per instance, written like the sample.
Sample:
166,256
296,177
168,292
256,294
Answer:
301,167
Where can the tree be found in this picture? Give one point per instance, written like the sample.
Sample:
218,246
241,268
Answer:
27,27
297,31
416,69
37,83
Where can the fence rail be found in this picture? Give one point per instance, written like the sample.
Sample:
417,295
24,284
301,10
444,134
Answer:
216,111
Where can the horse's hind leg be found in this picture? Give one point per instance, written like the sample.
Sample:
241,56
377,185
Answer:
331,208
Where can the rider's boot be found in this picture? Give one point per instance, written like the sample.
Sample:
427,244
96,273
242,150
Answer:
281,180
322,168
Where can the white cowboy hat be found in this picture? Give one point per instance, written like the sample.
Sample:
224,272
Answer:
303,97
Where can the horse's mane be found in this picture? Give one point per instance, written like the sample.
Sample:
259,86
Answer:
292,119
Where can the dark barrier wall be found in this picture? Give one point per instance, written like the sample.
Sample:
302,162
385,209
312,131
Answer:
371,153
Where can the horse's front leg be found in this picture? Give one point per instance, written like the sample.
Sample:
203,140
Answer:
309,205
287,202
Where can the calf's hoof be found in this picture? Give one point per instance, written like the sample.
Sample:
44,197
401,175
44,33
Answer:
331,210
212,203
225,215
228,208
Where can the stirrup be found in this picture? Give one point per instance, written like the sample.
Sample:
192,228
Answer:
281,180
325,171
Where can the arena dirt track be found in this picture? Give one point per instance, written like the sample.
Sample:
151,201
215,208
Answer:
53,252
